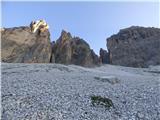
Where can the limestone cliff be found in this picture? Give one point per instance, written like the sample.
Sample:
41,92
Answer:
26,44
135,47
73,50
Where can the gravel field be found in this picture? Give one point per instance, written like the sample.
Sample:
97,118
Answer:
59,92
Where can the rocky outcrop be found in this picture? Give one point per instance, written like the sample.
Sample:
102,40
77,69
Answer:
39,25
73,50
135,47
104,56
31,44
26,44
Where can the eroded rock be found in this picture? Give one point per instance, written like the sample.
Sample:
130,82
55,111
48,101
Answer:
39,25
135,47
104,56
73,50
26,44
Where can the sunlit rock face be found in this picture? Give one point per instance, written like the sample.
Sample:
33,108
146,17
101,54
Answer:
135,47
39,25
26,44
73,50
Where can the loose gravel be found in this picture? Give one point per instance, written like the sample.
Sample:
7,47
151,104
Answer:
59,92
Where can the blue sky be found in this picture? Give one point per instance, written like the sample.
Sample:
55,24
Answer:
92,21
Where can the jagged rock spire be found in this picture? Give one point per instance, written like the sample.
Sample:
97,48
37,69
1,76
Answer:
39,24
64,36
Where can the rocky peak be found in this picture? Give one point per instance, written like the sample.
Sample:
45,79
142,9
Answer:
64,37
31,44
73,50
135,33
2,29
20,45
135,47
40,25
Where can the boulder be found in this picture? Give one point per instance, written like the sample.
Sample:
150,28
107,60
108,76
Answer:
73,50
110,79
26,44
135,47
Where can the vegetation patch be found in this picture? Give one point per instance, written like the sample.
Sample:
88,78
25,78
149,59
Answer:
98,100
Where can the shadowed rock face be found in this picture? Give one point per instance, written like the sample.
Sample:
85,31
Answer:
104,56
20,45
135,47
73,50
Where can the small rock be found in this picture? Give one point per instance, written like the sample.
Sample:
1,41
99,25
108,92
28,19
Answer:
109,79
140,115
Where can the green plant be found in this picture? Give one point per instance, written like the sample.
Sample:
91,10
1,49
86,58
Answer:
98,100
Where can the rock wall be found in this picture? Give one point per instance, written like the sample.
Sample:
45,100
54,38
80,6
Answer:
135,47
21,45
32,44
73,50
132,47
104,56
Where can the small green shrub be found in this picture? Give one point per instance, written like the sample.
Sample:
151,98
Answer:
98,100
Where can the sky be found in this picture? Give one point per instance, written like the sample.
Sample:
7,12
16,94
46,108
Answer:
92,21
